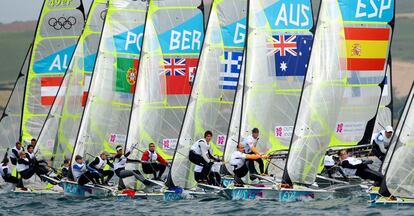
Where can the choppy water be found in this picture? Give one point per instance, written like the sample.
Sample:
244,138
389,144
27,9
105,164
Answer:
58,205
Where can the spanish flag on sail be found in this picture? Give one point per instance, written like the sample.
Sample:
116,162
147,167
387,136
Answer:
366,48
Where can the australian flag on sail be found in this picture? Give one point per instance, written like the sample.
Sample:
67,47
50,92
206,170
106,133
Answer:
291,54
232,65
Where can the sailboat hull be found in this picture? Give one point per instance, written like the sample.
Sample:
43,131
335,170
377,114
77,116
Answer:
268,193
75,190
384,201
251,193
173,195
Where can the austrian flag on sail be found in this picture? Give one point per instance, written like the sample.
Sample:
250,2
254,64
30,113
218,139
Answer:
49,87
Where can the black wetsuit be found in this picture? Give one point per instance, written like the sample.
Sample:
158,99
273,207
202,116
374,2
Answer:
104,173
363,171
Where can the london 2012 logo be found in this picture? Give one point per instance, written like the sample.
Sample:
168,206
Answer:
62,22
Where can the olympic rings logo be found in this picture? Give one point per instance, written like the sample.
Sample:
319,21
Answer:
62,22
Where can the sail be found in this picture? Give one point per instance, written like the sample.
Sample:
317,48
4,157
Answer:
173,38
11,117
384,115
58,30
397,131
105,119
342,87
59,132
215,85
399,177
277,58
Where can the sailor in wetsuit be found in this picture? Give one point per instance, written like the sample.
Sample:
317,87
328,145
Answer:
119,160
200,154
80,174
381,142
239,161
15,153
5,173
97,167
358,167
250,143
153,163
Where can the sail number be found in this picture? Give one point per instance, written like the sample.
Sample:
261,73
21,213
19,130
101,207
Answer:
57,3
371,8
293,15
185,40
134,40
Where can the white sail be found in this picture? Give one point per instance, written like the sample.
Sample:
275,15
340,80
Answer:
342,86
399,176
105,119
174,34
59,28
59,132
213,94
277,59
397,131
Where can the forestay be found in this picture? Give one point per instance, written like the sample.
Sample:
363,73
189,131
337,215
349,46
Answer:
59,132
399,176
213,93
11,117
174,34
343,85
104,122
59,27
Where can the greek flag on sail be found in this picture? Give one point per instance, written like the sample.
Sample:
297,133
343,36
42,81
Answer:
232,66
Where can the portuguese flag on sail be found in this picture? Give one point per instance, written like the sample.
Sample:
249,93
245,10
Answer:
126,75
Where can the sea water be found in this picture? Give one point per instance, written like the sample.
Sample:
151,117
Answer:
355,204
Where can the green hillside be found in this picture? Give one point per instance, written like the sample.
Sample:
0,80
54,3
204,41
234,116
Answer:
13,46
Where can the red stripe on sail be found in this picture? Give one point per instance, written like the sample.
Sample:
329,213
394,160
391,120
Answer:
367,33
365,64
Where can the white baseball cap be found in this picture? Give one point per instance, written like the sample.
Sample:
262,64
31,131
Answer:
389,129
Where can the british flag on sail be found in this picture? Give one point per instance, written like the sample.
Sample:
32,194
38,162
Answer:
232,65
291,54
179,74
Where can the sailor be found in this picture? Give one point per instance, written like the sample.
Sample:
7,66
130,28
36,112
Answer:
15,153
5,173
381,142
80,173
119,160
33,142
152,162
97,166
250,143
330,163
25,166
65,171
214,177
239,163
358,167
200,154
40,167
